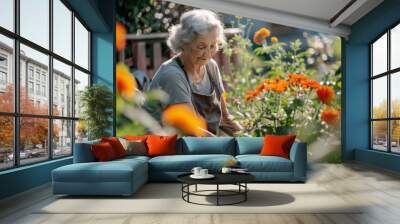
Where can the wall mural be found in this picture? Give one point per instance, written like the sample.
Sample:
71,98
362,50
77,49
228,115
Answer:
277,79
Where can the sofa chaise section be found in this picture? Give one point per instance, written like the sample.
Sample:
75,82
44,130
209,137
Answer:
87,177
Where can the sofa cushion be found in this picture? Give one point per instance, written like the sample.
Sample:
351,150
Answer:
134,147
249,145
161,145
206,145
111,171
132,158
257,163
116,145
103,152
277,145
83,152
185,163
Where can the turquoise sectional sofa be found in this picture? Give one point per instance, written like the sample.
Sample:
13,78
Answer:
125,176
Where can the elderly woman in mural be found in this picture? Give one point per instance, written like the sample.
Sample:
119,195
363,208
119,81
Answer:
192,77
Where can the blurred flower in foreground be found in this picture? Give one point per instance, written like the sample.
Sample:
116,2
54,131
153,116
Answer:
274,40
260,35
126,83
326,94
183,118
120,39
231,163
239,17
330,115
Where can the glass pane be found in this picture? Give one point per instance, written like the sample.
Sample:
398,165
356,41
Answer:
81,81
395,94
81,131
62,89
395,136
395,47
379,135
62,141
6,142
33,139
7,14
379,97
379,55
35,21
34,72
6,74
62,29
81,45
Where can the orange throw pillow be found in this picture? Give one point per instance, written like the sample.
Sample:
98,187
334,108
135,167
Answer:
103,151
277,145
161,145
116,145
136,137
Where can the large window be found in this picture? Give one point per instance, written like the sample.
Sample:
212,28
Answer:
385,91
44,65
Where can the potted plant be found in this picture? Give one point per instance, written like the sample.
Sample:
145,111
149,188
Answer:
96,103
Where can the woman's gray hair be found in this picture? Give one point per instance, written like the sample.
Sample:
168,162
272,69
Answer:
193,23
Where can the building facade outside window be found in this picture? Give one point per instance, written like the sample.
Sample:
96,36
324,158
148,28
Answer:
45,122
385,92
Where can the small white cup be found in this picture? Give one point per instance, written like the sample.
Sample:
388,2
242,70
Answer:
226,170
203,172
196,171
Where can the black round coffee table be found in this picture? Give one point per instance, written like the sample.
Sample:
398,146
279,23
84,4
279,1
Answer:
238,179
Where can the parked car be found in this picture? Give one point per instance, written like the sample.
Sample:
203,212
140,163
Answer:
22,155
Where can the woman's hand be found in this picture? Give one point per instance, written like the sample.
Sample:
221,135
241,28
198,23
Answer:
230,126
227,124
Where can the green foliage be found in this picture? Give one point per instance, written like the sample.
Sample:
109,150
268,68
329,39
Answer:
97,105
285,112
148,16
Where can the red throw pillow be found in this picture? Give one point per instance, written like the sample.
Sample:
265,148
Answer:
161,145
277,145
116,145
103,151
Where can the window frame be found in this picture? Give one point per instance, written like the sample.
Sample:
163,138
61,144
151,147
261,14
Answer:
388,74
16,114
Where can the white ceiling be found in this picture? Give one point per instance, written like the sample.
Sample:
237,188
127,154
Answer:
316,15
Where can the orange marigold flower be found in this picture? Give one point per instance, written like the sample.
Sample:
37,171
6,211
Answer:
274,40
239,17
185,119
120,40
126,83
326,94
258,39
297,77
259,88
281,86
260,35
247,98
264,32
250,95
313,84
267,88
330,116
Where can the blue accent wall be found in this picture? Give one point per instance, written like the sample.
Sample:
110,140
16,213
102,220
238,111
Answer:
103,65
99,16
356,81
24,178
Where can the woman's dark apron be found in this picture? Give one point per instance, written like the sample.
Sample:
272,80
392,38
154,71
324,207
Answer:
206,105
